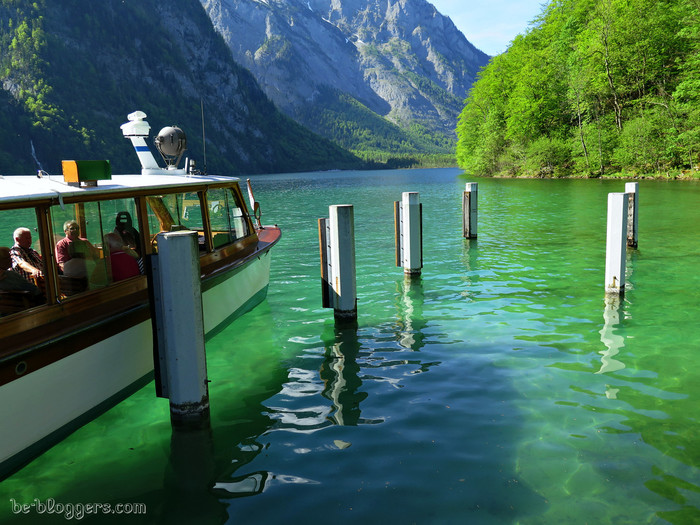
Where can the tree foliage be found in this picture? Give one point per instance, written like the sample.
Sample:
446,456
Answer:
593,87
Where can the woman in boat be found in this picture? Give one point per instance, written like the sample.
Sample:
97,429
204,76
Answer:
73,250
123,260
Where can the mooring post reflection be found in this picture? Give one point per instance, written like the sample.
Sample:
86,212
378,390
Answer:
609,338
190,473
341,376
410,312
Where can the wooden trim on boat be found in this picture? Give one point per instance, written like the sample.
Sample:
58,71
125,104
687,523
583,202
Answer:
43,335
141,214
71,342
214,268
211,263
43,216
206,219
111,299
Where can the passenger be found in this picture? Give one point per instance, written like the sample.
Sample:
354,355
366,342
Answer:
125,228
121,258
26,261
12,281
73,250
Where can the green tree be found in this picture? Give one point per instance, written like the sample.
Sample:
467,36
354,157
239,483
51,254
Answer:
594,86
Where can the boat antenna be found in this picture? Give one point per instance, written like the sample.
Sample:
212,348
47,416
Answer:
204,139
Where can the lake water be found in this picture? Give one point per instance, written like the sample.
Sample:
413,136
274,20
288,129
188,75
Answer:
499,387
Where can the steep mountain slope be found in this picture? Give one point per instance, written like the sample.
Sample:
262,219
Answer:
399,59
72,70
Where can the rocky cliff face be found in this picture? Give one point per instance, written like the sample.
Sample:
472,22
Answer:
77,70
401,59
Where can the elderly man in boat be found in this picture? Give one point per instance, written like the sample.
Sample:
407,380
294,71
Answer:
73,250
13,282
26,261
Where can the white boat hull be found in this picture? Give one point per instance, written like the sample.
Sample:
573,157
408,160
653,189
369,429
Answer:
44,406
45,401
233,295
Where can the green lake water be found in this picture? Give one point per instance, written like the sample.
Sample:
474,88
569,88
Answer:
499,387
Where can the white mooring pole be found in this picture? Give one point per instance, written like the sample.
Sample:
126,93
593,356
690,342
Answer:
633,214
470,210
408,226
616,243
179,330
337,244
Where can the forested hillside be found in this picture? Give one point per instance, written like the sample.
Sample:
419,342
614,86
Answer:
72,70
595,87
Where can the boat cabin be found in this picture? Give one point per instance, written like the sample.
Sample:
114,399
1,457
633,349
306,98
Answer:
214,209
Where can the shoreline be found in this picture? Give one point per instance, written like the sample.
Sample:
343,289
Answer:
695,177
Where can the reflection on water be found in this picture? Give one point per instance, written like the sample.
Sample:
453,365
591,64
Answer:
340,373
613,342
289,409
410,312
352,357
248,485
188,476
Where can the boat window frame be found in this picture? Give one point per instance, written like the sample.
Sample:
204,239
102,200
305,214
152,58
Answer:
56,295
41,212
42,209
202,193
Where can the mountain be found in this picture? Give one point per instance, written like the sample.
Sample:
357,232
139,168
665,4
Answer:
383,74
71,71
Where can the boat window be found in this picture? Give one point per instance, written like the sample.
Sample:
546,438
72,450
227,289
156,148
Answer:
191,211
24,287
182,211
177,211
96,244
229,221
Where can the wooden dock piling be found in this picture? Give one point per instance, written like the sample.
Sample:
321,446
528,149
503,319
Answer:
632,188
408,221
181,368
616,245
338,276
470,210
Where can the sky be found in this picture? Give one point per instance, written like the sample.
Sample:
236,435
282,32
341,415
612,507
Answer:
492,25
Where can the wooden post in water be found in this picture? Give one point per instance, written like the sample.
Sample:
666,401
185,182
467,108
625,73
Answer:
470,210
408,227
616,245
632,188
179,329
324,245
338,278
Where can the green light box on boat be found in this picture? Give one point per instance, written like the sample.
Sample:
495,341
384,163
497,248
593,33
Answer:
86,172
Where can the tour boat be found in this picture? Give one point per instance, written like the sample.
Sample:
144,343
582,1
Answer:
89,343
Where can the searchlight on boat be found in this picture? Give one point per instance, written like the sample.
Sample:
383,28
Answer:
171,143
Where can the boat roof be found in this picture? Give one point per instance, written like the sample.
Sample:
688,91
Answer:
28,188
